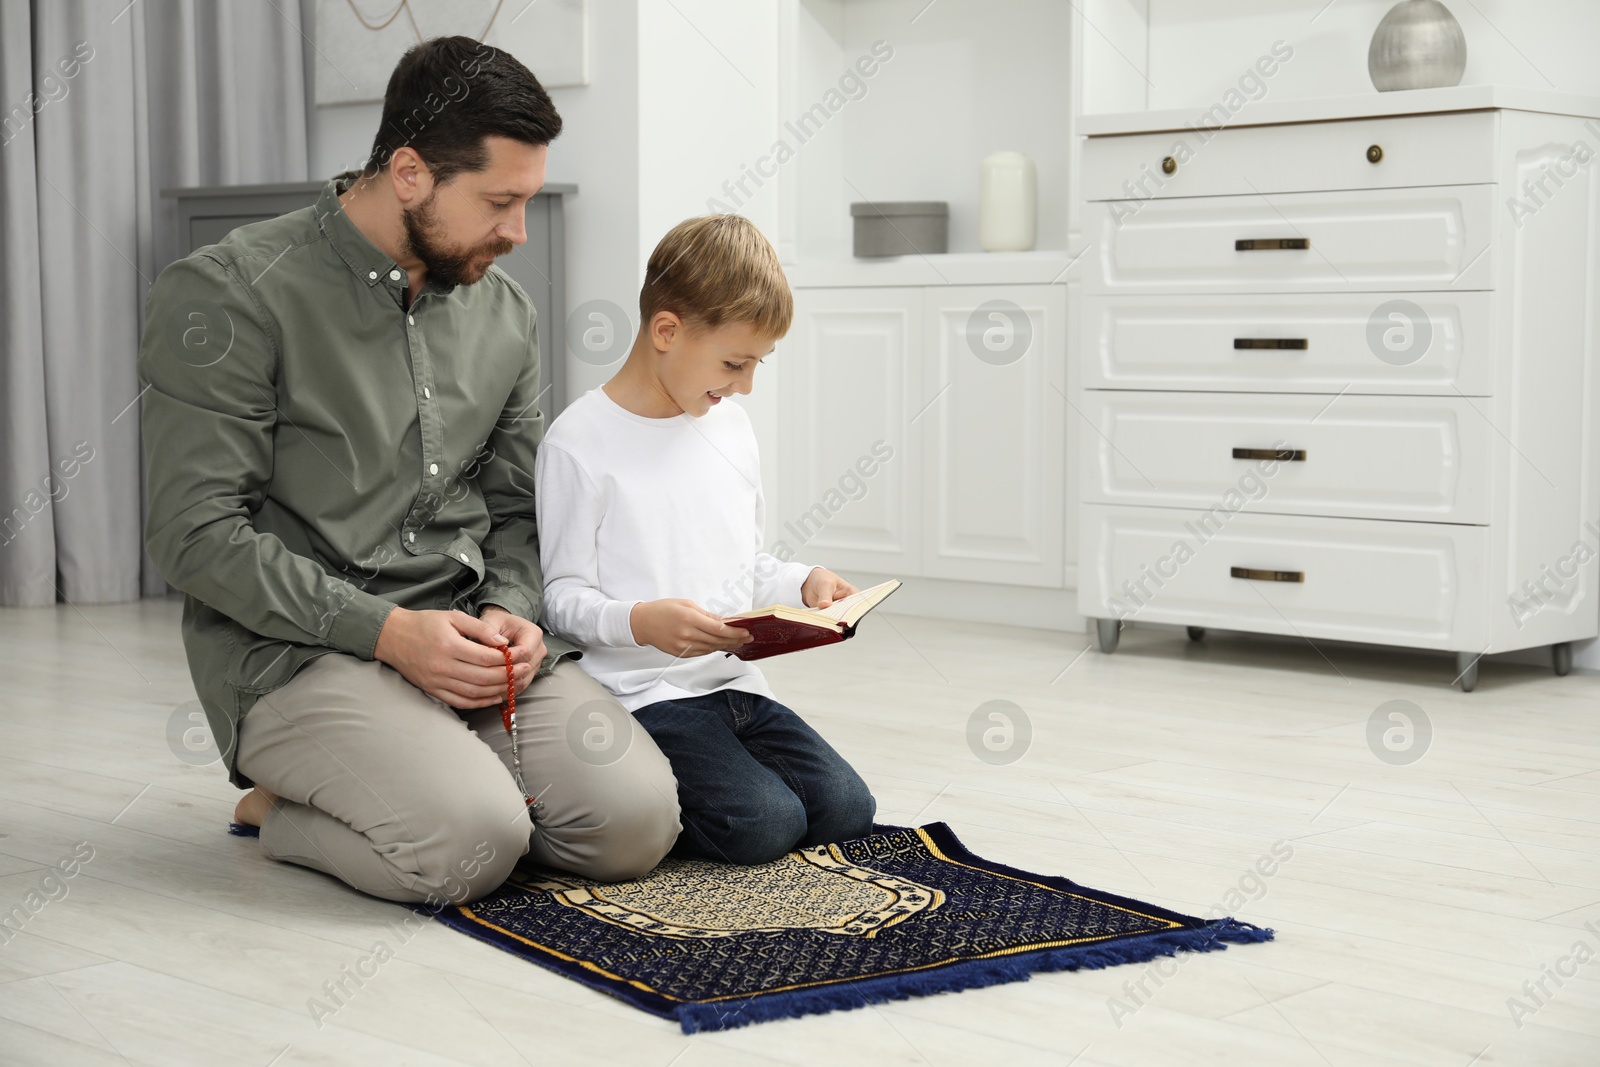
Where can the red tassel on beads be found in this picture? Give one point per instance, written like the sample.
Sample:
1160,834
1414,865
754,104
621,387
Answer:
508,709
508,719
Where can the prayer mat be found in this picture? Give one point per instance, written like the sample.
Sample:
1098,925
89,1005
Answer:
903,912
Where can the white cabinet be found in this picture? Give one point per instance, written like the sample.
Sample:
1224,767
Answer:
1339,377
964,388
993,469
850,377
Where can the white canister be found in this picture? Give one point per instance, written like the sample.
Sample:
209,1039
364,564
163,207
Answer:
1008,199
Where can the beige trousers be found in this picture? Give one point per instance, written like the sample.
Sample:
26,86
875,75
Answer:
407,799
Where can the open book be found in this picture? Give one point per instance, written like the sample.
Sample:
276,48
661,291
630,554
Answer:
779,628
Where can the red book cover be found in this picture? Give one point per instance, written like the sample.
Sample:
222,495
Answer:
775,636
780,629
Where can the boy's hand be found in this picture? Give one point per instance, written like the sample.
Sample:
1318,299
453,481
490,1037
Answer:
683,628
822,587
527,642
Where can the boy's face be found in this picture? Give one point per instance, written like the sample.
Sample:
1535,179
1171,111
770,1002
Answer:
700,366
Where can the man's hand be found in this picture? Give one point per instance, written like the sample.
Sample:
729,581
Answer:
822,587
527,642
449,655
683,628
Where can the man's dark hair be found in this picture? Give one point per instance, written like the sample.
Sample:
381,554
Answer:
447,94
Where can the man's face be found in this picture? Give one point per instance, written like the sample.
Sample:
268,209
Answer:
465,223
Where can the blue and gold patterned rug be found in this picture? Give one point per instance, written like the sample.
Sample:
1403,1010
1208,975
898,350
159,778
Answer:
902,913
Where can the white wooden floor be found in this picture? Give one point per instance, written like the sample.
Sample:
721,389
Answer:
1417,901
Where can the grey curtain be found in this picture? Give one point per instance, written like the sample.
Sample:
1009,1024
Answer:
104,103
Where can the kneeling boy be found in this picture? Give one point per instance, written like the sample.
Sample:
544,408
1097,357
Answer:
650,510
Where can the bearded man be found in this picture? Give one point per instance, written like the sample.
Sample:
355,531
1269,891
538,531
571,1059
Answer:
340,420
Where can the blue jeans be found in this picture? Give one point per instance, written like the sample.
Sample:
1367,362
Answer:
754,781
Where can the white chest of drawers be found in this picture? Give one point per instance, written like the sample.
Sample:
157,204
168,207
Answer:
1338,372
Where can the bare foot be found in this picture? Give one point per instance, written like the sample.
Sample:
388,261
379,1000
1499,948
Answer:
252,809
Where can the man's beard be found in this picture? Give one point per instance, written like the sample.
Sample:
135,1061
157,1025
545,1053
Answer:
446,266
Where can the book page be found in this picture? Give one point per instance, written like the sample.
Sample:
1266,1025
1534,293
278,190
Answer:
838,613
839,609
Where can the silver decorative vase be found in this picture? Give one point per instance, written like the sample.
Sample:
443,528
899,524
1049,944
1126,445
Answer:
1418,45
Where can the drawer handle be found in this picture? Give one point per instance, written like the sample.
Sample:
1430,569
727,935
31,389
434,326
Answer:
1375,154
1281,455
1254,575
1299,344
1169,165
1272,244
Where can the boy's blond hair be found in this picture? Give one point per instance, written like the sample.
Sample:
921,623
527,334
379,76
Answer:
717,269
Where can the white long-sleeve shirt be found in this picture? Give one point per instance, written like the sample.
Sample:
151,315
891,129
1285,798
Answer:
633,509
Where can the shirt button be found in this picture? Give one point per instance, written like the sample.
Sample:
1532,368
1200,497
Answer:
372,274
411,320
426,395
411,535
464,558
433,468
394,276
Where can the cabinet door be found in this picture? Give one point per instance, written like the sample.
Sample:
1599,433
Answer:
993,392
848,459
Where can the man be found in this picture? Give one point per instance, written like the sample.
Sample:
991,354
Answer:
340,424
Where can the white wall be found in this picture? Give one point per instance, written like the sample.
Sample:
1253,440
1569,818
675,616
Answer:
708,85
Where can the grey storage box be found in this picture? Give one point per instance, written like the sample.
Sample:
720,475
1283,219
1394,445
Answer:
901,227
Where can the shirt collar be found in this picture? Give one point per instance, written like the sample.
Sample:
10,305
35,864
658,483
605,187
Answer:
365,259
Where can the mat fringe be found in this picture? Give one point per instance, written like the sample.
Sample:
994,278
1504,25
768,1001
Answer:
974,974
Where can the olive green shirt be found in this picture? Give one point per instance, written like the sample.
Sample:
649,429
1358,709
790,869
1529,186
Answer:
319,452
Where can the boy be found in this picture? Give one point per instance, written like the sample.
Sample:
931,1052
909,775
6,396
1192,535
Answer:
650,508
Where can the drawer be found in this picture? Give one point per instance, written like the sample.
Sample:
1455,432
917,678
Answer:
1432,343
1396,239
1444,149
1424,459
1401,583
